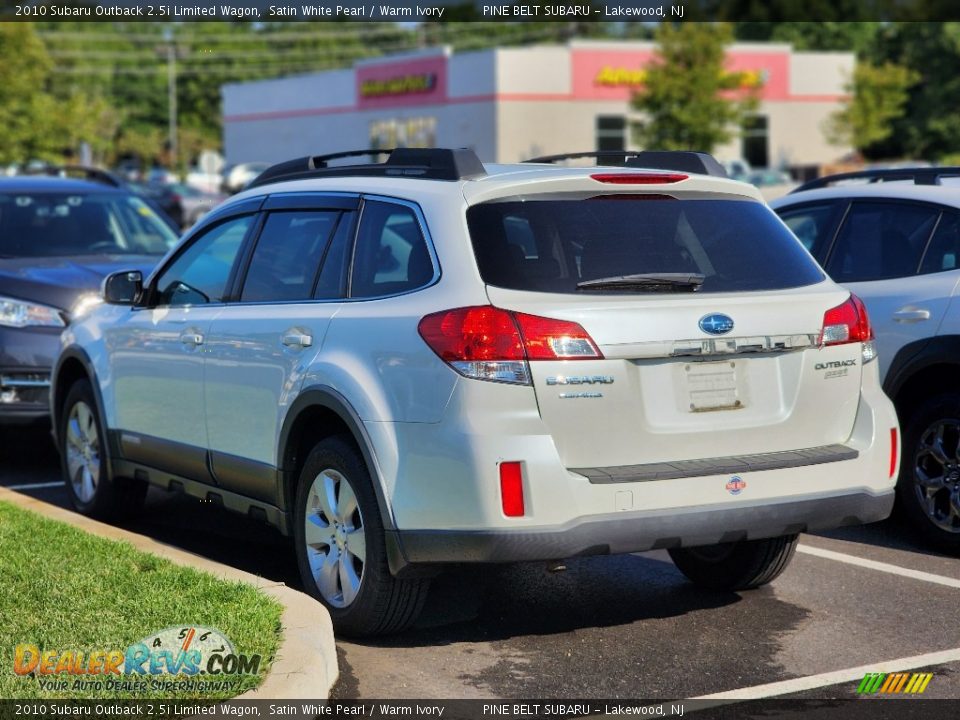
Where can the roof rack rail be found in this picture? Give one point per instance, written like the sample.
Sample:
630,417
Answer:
104,177
423,163
919,176
700,163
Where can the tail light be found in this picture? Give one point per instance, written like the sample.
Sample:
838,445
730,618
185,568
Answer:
849,323
487,343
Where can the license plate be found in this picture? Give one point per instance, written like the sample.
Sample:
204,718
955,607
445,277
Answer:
713,386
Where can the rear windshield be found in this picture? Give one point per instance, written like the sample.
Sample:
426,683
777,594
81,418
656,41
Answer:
60,224
551,245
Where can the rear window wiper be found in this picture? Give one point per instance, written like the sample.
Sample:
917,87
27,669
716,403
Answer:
647,282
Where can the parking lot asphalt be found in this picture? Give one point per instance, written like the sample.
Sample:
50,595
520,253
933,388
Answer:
853,600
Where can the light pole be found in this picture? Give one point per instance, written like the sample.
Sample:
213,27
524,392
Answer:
172,103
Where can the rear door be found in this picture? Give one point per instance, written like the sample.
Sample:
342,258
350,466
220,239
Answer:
900,258
731,368
261,343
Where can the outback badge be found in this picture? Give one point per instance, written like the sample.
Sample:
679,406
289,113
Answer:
736,485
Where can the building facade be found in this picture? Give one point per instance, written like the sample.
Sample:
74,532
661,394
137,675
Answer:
511,104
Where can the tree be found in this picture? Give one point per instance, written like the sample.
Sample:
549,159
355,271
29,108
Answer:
930,126
24,66
878,97
690,100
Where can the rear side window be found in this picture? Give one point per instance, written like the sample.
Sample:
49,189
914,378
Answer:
813,225
287,257
551,245
391,254
944,251
881,240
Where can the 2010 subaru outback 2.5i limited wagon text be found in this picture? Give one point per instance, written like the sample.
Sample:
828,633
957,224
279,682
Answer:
430,361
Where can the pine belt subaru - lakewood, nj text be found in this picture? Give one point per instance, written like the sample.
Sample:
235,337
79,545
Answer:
430,360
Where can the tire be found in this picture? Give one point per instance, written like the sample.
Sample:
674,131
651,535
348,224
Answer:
928,488
741,565
344,564
85,461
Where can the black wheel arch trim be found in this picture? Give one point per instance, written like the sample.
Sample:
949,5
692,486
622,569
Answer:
918,355
75,353
327,397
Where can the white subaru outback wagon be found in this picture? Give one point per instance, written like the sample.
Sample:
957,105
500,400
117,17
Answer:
429,361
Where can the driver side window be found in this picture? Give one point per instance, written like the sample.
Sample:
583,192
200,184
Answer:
200,274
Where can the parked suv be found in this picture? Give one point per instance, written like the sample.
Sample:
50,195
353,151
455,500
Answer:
892,236
430,361
59,238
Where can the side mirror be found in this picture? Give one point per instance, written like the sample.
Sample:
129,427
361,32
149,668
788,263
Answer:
123,288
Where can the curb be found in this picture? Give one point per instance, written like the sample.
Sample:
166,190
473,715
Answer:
305,666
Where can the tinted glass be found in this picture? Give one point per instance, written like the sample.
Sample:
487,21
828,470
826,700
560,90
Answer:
199,275
944,251
287,257
391,254
813,224
58,224
736,245
881,240
333,274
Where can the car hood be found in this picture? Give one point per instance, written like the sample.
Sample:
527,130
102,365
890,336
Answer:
59,281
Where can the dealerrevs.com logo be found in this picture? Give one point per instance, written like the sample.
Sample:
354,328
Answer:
176,659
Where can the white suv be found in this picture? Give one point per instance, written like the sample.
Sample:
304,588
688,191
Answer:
892,236
432,361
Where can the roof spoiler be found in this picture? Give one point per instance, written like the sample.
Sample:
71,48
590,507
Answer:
699,163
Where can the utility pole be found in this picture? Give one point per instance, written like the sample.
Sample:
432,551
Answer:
172,103
169,48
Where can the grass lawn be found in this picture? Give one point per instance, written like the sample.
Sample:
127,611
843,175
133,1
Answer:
63,589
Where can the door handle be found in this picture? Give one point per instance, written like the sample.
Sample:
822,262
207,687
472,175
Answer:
191,338
911,315
297,340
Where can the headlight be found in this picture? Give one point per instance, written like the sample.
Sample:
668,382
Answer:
18,314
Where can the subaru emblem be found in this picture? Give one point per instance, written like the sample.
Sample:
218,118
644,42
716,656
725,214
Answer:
716,324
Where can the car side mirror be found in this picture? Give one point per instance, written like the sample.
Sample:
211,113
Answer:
123,288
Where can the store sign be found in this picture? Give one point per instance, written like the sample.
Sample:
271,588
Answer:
399,85
412,82
619,77
615,74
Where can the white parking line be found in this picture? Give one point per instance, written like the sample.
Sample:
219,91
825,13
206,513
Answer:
35,486
881,566
855,674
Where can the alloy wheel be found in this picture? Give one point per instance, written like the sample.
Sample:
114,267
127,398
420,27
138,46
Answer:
83,451
936,474
334,535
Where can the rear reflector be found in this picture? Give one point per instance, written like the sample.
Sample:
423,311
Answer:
893,452
488,343
511,488
638,178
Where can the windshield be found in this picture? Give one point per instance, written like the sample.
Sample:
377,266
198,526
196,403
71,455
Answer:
636,244
62,224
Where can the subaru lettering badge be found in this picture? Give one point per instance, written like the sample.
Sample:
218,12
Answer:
716,324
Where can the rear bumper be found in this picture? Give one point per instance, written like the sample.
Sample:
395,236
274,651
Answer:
639,531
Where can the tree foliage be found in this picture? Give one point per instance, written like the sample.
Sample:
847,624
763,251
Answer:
690,100
878,97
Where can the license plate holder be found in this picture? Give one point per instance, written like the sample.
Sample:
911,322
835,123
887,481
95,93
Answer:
713,386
